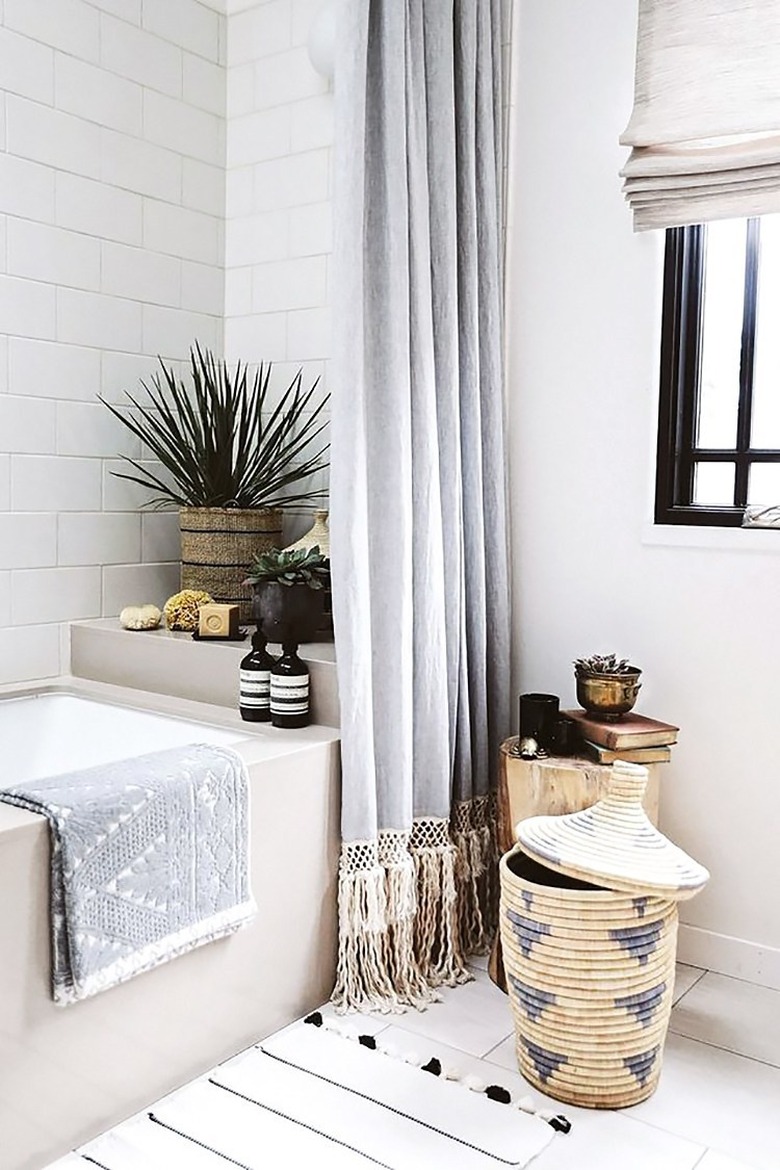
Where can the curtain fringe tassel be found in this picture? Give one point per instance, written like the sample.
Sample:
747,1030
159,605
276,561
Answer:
412,906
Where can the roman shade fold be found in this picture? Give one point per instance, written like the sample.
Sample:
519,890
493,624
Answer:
705,128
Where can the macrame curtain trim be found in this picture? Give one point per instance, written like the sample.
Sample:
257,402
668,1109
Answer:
412,905
476,874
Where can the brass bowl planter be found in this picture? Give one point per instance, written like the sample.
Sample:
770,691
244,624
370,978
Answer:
608,696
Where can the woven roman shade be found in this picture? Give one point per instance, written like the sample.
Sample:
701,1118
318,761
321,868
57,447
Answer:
705,129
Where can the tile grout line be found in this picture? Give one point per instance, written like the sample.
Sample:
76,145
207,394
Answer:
722,1048
503,1040
695,983
421,1036
659,1128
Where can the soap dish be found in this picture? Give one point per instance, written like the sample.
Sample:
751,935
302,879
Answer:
239,637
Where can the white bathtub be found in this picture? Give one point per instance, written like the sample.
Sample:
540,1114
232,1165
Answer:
68,1073
46,734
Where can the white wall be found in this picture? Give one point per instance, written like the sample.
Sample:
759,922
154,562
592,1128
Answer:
111,245
278,227
591,574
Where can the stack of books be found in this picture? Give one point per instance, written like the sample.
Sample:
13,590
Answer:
635,738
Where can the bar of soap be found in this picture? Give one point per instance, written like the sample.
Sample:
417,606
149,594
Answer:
218,621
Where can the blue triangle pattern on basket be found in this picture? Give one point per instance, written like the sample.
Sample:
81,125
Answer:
641,1065
639,941
640,905
545,1062
527,931
532,1000
644,1004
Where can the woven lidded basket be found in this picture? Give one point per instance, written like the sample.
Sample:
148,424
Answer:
589,933
219,544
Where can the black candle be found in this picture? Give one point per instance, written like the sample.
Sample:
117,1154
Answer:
538,716
565,737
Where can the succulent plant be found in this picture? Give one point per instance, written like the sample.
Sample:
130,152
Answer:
602,664
300,566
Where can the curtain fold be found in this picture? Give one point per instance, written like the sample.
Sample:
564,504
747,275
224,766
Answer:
705,128
419,557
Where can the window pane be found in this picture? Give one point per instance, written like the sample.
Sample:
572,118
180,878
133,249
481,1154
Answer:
766,369
764,486
724,294
714,484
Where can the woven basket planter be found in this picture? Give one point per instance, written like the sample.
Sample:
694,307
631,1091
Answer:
219,544
590,969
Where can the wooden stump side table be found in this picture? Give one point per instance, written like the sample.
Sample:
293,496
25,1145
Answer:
551,786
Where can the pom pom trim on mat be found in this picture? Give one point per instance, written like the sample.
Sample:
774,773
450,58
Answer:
434,1066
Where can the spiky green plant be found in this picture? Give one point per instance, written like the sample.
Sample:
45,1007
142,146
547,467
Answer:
299,566
220,442
600,664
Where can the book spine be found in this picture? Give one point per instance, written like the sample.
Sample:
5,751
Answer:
615,738
646,755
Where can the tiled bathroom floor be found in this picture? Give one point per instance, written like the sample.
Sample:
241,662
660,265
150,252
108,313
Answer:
717,1106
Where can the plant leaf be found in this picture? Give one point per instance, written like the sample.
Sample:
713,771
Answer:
218,440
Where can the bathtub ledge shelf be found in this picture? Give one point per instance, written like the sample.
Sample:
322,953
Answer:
174,664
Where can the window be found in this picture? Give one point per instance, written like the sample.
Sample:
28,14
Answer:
719,420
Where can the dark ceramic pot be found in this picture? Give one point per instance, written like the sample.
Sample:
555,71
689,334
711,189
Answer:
287,613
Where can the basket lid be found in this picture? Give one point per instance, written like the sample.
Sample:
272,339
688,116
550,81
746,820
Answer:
613,843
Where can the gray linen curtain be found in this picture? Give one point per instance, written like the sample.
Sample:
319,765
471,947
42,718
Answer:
419,560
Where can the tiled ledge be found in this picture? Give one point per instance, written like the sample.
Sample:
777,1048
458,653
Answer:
173,664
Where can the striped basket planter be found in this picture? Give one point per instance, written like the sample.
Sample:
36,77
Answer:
590,975
219,544
589,937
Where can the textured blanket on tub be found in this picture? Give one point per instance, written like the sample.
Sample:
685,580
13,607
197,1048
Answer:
149,859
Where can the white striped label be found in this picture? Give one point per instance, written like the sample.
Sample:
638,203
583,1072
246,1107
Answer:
255,689
289,694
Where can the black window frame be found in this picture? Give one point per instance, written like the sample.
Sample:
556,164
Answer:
677,453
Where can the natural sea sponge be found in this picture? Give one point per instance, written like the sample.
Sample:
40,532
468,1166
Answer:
181,610
140,617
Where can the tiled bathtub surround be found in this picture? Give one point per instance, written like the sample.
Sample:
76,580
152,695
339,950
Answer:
279,188
112,137
67,1073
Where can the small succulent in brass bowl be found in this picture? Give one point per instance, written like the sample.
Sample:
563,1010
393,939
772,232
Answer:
607,686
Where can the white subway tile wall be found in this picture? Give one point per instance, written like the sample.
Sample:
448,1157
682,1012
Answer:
278,215
165,174
112,203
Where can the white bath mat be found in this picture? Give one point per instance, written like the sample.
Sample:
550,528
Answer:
394,1096
308,1096
206,1128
